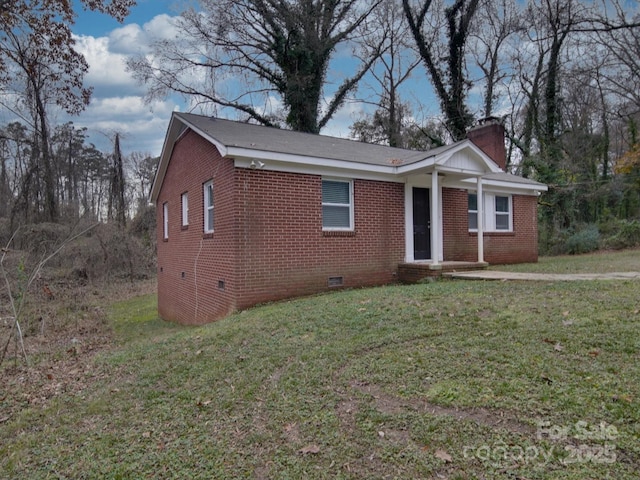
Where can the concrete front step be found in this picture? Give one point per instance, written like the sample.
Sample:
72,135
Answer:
416,271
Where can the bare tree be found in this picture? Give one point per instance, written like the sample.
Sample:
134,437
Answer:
246,54
394,67
445,57
142,168
497,22
39,65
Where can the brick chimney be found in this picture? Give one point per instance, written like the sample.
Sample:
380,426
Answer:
488,135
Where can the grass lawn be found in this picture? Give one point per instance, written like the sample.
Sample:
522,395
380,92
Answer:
444,380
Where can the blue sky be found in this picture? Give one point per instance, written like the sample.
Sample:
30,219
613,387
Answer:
117,104
97,24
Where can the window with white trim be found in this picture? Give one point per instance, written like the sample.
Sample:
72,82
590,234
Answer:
473,211
498,212
184,201
208,206
337,205
502,213
165,220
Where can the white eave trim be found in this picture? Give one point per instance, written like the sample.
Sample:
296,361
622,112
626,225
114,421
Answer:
525,186
499,186
295,163
339,171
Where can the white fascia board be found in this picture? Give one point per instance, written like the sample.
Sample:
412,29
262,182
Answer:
173,131
222,148
497,186
246,154
527,186
425,164
458,171
338,171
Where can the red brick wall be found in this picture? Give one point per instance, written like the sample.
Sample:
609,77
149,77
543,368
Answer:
285,253
518,246
268,242
489,137
190,264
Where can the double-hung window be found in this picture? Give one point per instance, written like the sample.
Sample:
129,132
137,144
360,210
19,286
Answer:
184,202
502,213
498,215
337,205
473,211
165,221
208,206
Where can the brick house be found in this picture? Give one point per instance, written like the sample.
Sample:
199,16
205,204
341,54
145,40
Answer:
248,214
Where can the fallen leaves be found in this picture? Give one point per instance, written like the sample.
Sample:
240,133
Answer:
203,403
443,455
310,449
626,398
557,346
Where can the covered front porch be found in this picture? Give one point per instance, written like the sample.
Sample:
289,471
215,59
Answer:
461,168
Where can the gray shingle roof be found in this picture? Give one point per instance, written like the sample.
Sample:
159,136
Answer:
266,139
240,139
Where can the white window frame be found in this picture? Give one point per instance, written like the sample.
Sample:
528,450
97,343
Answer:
209,205
490,212
470,212
165,220
350,227
184,202
502,214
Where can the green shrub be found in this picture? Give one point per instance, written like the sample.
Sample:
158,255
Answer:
626,236
583,241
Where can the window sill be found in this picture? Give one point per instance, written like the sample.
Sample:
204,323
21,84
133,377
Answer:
494,233
207,235
338,233
165,239
184,227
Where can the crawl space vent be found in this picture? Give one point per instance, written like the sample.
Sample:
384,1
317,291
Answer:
336,281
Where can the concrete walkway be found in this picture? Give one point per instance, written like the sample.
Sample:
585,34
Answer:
548,277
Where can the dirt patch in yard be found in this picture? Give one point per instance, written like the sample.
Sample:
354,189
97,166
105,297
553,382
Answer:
393,405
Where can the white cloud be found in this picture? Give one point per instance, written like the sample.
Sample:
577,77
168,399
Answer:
134,39
141,126
117,103
107,70
130,39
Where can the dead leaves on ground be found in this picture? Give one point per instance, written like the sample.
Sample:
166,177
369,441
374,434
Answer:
557,346
443,455
310,449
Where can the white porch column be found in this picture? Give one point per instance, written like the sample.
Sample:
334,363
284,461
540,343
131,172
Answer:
435,224
480,203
